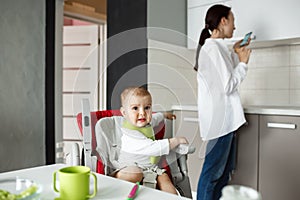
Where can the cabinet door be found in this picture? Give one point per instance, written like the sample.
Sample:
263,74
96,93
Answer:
186,124
246,171
195,24
195,3
279,161
268,19
196,11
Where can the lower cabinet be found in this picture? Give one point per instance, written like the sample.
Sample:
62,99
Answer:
246,170
268,153
268,158
186,124
279,158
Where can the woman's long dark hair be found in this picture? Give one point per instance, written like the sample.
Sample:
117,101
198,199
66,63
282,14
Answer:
212,20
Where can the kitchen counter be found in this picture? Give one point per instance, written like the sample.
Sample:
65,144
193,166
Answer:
272,110
254,109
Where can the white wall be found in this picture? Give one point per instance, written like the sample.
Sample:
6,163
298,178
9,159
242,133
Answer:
171,78
170,15
22,83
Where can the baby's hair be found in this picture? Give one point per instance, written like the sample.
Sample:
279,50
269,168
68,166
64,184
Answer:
133,91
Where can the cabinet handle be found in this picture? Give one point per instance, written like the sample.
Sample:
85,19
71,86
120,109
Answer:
281,125
190,119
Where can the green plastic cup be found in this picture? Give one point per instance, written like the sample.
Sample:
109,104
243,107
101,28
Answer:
74,183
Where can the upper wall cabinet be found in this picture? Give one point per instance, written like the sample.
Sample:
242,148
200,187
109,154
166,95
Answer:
268,19
196,17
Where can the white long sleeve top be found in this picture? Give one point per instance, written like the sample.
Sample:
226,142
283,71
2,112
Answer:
219,75
136,148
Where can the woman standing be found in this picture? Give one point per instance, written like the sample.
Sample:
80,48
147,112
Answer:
220,70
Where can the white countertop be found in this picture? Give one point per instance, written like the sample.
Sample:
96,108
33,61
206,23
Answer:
272,110
253,109
185,107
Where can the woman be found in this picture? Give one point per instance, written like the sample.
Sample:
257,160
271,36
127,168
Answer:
221,70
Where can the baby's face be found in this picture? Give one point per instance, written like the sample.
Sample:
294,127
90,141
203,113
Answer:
138,110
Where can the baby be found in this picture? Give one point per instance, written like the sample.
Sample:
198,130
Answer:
139,150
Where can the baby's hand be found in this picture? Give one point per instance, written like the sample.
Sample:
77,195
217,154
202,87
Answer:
175,141
182,140
169,116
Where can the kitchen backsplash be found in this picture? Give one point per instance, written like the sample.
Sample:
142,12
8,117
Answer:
273,76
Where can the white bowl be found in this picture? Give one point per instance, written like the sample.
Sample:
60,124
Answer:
19,189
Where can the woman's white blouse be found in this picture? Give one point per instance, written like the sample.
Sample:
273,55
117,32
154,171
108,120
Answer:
219,75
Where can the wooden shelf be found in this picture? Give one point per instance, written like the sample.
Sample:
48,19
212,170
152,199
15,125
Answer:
80,11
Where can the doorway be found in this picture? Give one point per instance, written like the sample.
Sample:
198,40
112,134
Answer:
84,75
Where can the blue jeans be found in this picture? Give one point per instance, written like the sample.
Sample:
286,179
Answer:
218,163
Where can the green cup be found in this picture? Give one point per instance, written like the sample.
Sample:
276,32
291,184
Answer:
74,183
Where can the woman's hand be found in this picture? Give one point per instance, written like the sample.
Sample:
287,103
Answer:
242,52
238,44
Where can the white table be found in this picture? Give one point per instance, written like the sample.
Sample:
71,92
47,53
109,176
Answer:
108,187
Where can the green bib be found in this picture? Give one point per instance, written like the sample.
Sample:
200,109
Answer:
146,131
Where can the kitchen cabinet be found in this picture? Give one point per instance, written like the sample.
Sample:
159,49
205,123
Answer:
246,170
279,161
268,156
269,20
267,149
196,11
186,124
